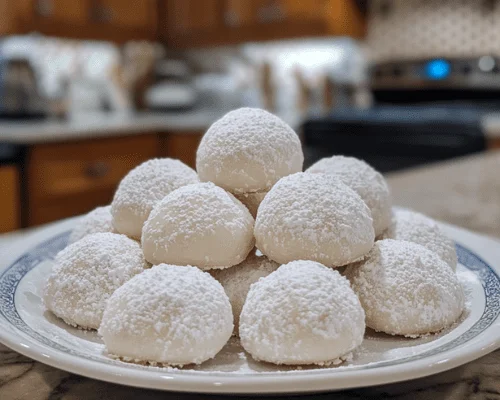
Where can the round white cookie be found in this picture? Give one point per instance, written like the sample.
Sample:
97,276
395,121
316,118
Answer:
96,221
142,188
313,217
417,228
303,313
248,150
365,181
237,280
168,314
406,289
87,272
201,225
251,201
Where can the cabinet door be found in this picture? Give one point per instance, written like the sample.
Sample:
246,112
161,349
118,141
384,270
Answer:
343,17
244,13
125,14
192,20
7,18
9,198
296,10
66,179
69,11
182,146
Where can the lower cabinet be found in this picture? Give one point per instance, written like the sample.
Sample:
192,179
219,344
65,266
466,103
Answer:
182,145
10,202
72,178
67,179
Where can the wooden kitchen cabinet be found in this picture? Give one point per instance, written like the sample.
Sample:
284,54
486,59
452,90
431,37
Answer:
218,22
184,20
182,145
9,198
130,20
66,179
113,20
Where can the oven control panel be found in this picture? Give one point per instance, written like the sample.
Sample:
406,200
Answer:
471,73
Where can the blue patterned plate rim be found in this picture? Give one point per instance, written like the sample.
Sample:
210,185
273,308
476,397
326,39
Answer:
47,249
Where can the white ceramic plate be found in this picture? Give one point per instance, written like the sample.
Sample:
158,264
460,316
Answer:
29,329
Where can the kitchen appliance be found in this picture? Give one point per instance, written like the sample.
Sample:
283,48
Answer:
424,110
19,93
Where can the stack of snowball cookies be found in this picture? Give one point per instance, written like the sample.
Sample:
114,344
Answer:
251,246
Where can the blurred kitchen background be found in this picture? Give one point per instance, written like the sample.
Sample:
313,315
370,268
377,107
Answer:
91,88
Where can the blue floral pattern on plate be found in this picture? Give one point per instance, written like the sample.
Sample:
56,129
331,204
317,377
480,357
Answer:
12,276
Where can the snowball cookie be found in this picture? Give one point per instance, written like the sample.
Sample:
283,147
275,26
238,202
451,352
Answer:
248,150
237,280
365,181
169,314
142,188
313,217
251,201
87,272
303,313
418,228
200,225
96,221
406,289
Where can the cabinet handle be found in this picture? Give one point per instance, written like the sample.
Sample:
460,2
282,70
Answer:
44,8
97,169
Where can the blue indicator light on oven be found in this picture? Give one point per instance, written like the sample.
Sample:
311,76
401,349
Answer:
437,69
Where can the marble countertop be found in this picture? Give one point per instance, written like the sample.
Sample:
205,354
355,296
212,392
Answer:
104,125
465,192
107,125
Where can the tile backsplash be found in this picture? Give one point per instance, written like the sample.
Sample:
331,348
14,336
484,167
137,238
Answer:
412,29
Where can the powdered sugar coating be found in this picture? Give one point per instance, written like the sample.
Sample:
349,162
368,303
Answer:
96,221
365,181
201,225
87,272
168,314
237,280
406,289
313,217
251,201
417,228
248,150
142,188
303,313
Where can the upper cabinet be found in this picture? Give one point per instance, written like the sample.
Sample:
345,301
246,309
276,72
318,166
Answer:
115,20
183,23
186,19
129,19
191,23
